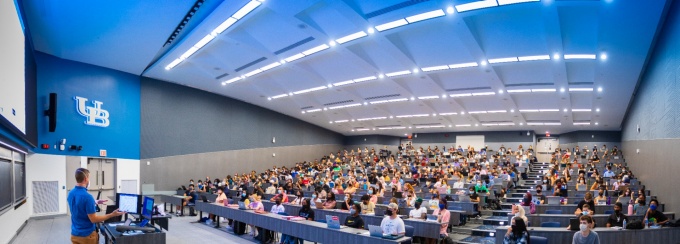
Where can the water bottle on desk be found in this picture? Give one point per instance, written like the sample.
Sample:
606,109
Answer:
646,222
624,224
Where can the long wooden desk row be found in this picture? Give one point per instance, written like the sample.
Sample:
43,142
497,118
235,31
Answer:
607,235
570,208
307,230
563,219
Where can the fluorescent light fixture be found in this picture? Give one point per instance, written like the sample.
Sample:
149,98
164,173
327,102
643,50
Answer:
390,25
280,96
342,83
528,110
435,68
345,106
270,66
512,110
351,37
476,5
294,57
310,90
173,64
463,65
533,123
341,121
506,124
374,118
205,40
442,114
254,72
483,93
461,95
497,111
426,15
428,97
519,90
429,126
332,43
534,58
188,53
582,123
390,101
392,128
566,110
489,124
500,91
246,9
579,56
502,60
224,26
363,129
506,2
464,125
381,76
314,110
548,110
398,73
315,49
365,79
552,123
581,110
412,116
476,112
580,89
544,90
232,80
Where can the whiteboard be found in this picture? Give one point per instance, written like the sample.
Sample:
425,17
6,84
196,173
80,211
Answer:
474,141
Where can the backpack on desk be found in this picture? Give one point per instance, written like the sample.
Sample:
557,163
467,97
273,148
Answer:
635,225
674,223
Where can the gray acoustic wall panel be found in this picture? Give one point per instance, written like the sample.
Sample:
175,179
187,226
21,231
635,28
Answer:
48,193
656,109
178,120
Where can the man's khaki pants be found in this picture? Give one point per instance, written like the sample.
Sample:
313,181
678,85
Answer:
93,238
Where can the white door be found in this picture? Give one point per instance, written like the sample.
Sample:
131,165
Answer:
101,177
545,147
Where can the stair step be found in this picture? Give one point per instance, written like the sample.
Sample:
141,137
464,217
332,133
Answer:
497,220
484,230
477,239
501,212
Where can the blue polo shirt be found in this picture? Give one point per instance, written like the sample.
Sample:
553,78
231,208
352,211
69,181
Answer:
81,204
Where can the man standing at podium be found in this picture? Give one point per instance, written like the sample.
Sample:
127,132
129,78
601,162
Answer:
83,214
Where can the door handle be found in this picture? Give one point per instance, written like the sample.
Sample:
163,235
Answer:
97,182
103,179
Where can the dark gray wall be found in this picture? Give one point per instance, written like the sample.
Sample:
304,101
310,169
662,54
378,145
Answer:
489,136
590,138
178,120
372,139
656,109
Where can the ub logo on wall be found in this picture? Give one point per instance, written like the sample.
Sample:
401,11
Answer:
96,116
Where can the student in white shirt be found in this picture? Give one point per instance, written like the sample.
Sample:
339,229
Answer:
392,224
278,207
418,211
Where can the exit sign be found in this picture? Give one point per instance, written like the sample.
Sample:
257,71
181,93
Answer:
102,153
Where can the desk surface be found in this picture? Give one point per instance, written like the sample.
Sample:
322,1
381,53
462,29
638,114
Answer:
308,230
607,235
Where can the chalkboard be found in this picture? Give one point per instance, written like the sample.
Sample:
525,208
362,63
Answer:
5,184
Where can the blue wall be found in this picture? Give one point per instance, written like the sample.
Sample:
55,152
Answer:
371,139
656,105
119,92
590,136
489,137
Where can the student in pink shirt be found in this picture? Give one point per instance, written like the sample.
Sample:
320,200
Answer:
443,217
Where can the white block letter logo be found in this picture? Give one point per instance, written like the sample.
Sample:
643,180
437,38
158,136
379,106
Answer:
96,116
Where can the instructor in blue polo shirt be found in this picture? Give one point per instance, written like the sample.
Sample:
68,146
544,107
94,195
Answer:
83,215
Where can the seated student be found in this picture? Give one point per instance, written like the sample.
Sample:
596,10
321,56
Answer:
626,193
600,196
367,207
347,204
586,235
374,195
418,212
221,196
298,200
277,207
480,187
271,189
586,211
391,224
190,197
519,212
539,194
281,195
354,220
588,199
660,218
443,217
410,198
256,205
330,201
475,198
517,233
316,197
616,218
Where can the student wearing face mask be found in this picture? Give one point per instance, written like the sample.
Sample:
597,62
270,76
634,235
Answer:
374,195
616,218
277,207
480,187
588,199
517,233
410,199
347,203
330,201
539,194
298,200
392,224
281,195
586,212
354,220
367,207
305,212
586,235
600,196
443,217
653,213
418,212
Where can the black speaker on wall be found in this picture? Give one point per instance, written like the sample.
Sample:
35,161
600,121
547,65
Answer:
51,112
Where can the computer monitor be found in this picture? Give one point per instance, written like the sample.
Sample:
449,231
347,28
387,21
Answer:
128,203
147,207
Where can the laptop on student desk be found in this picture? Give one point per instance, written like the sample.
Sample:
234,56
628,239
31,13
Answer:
375,231
334,222
431,218
242,206
553,200
464,198
602,202
319,205
624,200
574,224
581,188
